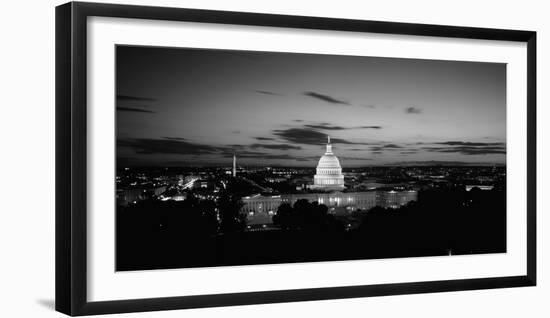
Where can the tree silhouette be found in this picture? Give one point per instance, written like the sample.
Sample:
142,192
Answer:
306,216
449,221
231,219
197,233
230,204
283,217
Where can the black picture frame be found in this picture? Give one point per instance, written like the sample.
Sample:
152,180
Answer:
71,154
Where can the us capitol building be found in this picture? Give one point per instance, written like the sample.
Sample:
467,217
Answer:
329,172
328,183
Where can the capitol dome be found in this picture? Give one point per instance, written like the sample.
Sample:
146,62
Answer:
329,172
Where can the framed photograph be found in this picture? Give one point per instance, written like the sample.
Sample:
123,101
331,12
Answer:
209,158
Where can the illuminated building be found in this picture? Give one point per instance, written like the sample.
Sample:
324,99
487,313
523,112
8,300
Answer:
329,172
481,187
330,180
261,204
352,200
234,165
259,209
395,199
127,196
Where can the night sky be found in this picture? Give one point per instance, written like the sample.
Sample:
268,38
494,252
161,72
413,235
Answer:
181,107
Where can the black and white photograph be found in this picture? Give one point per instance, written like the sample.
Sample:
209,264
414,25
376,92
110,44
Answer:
269,159
227,157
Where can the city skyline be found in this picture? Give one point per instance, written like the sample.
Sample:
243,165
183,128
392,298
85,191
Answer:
178,107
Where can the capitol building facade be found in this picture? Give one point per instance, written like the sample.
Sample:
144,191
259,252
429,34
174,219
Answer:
328,183
329,175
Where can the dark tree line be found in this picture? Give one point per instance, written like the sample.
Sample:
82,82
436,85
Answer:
155,234
441,221
306,216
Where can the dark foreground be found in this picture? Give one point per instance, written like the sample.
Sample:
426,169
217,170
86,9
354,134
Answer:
156,235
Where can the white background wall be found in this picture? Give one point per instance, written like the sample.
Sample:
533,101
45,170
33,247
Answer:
27,158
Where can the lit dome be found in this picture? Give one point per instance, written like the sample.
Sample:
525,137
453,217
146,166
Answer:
329,172
329,161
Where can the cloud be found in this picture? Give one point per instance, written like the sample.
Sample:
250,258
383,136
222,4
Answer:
413,110
273,157
370,127
269,156
275,146
135,110
354,158
302,136
369,106
326,98
439,163
485,151
327,126
134,98
241,153
470,144
181,146
264,138
268,93
169,145
127,100
393,146
383,147
308,136
461,147
468,150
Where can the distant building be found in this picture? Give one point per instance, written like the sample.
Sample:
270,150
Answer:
180,196
259,209
261,204
329,175
234,165
395,199
203,184
190,178
127,196
481,187
351,200
275,180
